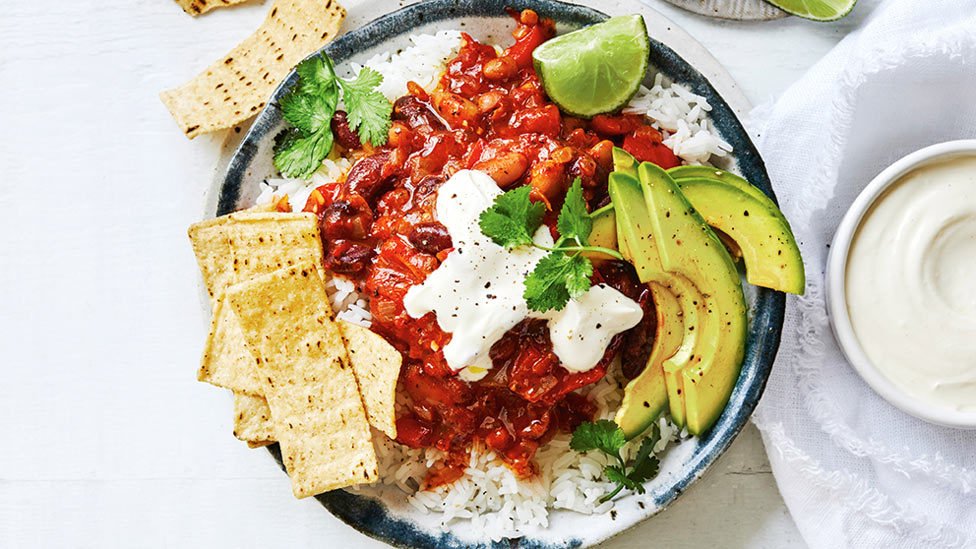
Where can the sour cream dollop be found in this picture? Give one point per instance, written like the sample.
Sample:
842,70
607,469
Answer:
911,283
476,293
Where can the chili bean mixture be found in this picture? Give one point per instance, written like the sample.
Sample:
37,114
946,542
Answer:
488,112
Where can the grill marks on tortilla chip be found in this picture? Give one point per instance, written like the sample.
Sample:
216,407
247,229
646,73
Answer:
252,419
316,409
235,87
273,341
197,7
376,364
238,247
243,245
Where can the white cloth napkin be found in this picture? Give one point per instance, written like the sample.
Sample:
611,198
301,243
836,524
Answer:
854,470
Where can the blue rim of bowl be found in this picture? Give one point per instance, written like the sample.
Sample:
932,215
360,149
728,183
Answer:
371,517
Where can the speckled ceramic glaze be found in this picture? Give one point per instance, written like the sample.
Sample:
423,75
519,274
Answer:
386,516
741,10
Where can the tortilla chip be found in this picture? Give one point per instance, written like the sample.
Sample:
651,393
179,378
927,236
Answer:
262,444
252,419
316,409
246,244
226,361
196,7
235,87
237,247
376,364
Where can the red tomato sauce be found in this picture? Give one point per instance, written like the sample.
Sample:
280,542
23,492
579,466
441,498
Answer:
488,112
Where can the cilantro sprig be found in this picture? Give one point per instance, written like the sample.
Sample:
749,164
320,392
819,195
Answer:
565,273
605,436
309,108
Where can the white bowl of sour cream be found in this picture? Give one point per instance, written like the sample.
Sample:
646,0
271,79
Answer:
901,284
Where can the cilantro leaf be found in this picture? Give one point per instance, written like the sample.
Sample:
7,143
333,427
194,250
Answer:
644,471
606,436
647,445
309,108
316,75
298,153
603,435
646,464
310,113
616,474
574,220
369,111
555,279
512,219
578,276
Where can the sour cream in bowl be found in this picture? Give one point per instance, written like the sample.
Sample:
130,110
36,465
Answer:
901,284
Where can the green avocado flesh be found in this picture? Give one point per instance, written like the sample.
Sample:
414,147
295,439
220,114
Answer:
603,233
688,248
646,396
768,248
700,339
721,176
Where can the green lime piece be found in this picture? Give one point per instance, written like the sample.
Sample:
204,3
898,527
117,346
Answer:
596,69
816,10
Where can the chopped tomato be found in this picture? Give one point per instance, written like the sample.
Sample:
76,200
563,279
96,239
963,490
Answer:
646,145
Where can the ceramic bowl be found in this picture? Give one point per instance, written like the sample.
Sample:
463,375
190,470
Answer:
385,515
840,320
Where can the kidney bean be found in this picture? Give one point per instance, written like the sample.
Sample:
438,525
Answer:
615,124
415,113
366,176
430,237
399,135
346,219
427,186
344,135
348,257
602,153
412,432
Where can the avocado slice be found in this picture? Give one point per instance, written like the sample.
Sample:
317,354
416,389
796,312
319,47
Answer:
624,162
603,233
637,247
646,396
691,303
687,247
763,235
721,176
634,227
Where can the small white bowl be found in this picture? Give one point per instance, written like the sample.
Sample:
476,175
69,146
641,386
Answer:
837,294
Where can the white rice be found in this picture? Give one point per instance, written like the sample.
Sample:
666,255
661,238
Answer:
297,190
348,304
682,118
493,501
491,498
422,62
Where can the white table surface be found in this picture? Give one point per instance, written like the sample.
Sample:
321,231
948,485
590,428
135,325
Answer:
108,439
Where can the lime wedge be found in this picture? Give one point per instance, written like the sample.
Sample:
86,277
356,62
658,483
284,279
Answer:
817,10
596,69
